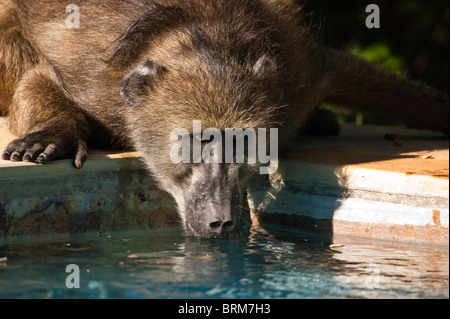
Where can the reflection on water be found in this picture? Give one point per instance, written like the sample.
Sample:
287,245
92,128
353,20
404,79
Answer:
163,264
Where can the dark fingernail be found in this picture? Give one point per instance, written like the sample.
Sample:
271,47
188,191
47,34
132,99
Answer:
15,157
6,156
40,159
77,164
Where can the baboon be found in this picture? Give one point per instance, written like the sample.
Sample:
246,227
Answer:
135,70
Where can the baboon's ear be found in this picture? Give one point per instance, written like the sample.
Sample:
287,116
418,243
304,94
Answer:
135,83
263,64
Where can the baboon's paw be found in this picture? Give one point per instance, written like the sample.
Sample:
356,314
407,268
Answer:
41,147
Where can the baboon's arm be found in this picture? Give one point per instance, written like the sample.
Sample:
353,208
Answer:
50,124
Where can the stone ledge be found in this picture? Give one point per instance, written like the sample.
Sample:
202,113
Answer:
357,184
361,185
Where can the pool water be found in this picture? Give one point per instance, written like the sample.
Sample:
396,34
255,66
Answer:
165,264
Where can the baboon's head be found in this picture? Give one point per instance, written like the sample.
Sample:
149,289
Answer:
166,102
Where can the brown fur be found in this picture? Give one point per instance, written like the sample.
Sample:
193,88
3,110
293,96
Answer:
136,70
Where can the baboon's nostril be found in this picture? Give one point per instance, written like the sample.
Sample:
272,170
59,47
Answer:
219,226
228,224
215,224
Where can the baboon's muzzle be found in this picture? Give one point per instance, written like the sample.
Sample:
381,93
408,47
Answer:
212,202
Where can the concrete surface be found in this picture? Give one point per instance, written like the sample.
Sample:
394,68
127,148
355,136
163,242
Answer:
111,192
357,184
362,185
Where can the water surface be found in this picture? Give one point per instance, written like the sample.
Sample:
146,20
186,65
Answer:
165,264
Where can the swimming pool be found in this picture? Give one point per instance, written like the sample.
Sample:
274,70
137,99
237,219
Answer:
164,264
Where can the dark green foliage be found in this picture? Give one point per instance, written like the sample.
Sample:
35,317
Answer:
413,38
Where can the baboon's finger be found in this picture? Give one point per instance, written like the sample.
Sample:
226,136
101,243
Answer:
18,152
32,153
50,152
81,155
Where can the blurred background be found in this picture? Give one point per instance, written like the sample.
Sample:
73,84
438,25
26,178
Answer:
413,39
